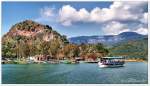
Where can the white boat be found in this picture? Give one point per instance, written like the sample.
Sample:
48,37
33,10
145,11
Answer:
111,62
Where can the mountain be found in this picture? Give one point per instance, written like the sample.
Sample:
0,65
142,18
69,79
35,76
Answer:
131,49
107,39
129,44
130,35
27,36
29,29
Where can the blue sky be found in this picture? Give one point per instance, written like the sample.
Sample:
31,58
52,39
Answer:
79,18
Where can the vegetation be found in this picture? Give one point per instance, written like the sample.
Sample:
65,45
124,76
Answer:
37,39
133,49
28,38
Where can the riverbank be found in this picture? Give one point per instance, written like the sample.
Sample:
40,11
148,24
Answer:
135,60
39,62
64,62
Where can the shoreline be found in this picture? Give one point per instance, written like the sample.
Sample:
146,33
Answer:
127,60
135,60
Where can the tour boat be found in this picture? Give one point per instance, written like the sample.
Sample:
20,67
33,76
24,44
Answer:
111,62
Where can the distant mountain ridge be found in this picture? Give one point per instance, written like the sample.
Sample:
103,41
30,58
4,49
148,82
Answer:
129,44
107,39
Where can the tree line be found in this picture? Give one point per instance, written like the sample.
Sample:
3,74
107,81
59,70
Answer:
22,47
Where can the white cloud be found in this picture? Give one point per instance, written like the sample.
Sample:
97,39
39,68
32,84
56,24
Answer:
83,15
144,18
114,28
118,11
66,23
47,12
128,10
143,31
68,15
101,15
110,17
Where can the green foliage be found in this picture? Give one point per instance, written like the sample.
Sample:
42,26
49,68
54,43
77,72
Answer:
93,51
131,49
100,48
71,51
20,46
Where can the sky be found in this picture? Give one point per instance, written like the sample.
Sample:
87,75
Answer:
80,18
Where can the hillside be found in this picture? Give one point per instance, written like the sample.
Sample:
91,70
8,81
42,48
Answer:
108,40
30,29
30,39
25,37
129,44
131,49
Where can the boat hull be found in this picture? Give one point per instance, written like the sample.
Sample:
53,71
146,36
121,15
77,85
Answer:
109,65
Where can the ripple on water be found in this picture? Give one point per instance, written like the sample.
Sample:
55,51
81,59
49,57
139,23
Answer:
84,73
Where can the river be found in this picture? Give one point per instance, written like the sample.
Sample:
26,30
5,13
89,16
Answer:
83,73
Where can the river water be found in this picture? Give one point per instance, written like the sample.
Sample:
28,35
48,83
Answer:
83,73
